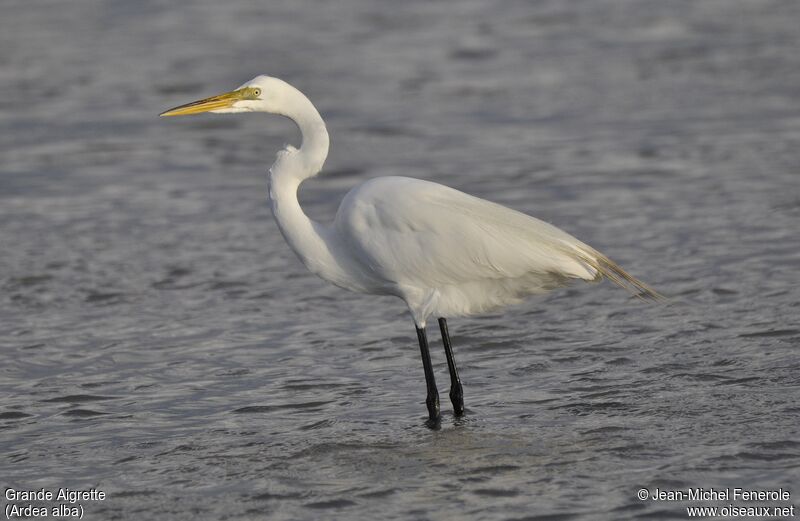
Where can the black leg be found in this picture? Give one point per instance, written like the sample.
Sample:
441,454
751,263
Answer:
456,392
432,401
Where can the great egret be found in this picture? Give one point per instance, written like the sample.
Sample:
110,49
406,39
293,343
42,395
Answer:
445,253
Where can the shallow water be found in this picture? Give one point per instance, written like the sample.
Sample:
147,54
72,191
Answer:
161,343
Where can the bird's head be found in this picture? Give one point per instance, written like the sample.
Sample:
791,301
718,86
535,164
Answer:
261,94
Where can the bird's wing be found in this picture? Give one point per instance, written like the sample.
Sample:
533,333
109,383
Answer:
421,233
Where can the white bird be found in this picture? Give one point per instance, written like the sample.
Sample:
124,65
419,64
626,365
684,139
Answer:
444,252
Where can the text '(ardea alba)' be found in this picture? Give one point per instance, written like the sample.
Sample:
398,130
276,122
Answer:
445,253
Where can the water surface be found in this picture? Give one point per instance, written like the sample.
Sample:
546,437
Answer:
160,342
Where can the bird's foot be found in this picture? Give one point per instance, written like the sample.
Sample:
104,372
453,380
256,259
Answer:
432,401
457,397
434,425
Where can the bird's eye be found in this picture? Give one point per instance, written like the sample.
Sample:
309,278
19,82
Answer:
257,92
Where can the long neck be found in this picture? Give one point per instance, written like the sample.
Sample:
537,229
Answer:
311,241
314,149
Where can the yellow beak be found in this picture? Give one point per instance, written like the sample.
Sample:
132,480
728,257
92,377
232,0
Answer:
222,101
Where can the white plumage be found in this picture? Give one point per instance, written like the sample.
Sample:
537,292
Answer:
445,253
450,254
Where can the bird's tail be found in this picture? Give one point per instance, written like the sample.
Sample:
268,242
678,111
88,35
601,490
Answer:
612,271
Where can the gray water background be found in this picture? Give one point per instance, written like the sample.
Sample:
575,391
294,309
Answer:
159,340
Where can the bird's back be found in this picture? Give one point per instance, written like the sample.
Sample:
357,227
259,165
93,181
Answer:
469,254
